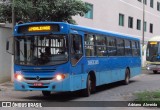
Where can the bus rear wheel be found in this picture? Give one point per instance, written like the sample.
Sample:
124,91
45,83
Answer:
46,93
155,71
127,77
87,91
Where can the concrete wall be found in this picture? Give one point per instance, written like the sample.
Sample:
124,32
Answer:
5,58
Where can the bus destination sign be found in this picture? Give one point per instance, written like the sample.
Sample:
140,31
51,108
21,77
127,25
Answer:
39,28
153,43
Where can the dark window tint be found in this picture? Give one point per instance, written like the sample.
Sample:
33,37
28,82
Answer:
138,24
120,47
151,3
128,49
76,48
151,28
101,45
121,20
130,22
89,45
112,50
158,6
135,48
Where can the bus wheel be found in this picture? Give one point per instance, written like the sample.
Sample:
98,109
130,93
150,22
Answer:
127,77
88,89
155,71
46,93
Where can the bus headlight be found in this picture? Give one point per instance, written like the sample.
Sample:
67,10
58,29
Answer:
19,77
148,68
60,77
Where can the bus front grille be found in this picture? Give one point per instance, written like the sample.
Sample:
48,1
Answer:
31,78
38,86
38,70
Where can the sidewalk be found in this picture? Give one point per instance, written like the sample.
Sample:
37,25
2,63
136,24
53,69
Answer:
6,86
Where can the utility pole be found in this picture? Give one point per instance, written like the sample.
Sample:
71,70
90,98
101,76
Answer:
143,51
143,23
13,24
13,14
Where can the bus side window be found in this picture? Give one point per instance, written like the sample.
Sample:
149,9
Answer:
138,49
76,48
100,45
128,49
120,47
89,43
112,50
134,48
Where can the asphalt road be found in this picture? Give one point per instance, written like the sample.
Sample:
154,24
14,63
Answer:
147,81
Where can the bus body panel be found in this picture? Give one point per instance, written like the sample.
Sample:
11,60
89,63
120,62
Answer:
112,69
153,54
107,69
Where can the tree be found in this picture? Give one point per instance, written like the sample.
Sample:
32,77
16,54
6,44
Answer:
42,10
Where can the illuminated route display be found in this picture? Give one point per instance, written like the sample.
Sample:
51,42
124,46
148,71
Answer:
39,28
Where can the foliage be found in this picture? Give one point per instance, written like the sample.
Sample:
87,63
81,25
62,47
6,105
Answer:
42,10
148,97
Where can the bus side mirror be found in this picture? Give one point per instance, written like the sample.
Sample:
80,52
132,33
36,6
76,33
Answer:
9,48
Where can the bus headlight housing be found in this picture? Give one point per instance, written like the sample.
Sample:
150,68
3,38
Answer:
60,77
19,77
148,68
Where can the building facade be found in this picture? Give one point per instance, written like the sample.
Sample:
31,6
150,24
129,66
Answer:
138,18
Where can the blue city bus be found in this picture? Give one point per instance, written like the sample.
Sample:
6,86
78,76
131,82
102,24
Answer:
61,57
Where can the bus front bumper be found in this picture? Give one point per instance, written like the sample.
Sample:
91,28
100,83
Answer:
57,86
70,83
153,67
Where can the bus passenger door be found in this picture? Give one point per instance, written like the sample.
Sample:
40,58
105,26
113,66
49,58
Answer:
76,59
76,50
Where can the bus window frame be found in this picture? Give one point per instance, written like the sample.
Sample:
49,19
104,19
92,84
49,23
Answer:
91,45
70,49
115,45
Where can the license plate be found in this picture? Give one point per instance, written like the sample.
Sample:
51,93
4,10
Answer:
38,84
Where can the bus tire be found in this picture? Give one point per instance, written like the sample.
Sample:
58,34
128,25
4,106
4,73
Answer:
87,91
155,71
127,77
46,93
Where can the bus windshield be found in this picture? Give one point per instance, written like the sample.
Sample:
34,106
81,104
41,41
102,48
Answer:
153,51
41,50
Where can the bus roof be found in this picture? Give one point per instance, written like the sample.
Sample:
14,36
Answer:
32,23
155,38
103,32
86,29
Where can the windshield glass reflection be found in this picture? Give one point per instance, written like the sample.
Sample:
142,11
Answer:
41,50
